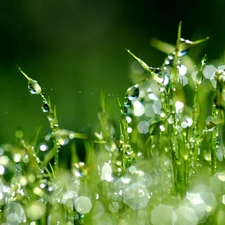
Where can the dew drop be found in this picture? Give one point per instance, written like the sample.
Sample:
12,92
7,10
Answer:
127,102
45,107
185,46
123,110
210,126
133,92
34,87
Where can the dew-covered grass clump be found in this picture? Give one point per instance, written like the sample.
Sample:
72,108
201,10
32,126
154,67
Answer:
164,167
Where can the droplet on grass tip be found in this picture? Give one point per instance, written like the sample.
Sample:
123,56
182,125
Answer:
185,45
34,87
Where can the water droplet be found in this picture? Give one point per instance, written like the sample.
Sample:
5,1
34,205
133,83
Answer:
127,102
45,107
34,87
79,169
210,126
123,110
127,149
132,92
64,136
185,46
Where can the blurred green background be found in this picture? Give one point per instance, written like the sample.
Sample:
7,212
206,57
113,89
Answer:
76,48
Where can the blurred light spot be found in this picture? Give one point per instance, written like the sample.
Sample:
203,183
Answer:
143,127
129,130
43,147
128,119
141,94
4,160
2,170
16,157
157,107
149,110
183,80
179,105
138,108
83,205
209,71
162,128
106,173
182,70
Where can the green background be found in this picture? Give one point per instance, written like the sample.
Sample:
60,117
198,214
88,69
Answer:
76,48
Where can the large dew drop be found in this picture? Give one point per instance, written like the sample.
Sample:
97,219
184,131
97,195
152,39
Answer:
132,92
34,87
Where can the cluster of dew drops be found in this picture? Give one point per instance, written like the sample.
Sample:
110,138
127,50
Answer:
136,186
144,99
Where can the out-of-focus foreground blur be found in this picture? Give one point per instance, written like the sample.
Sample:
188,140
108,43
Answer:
76,48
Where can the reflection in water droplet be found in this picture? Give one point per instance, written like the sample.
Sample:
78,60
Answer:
132,92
